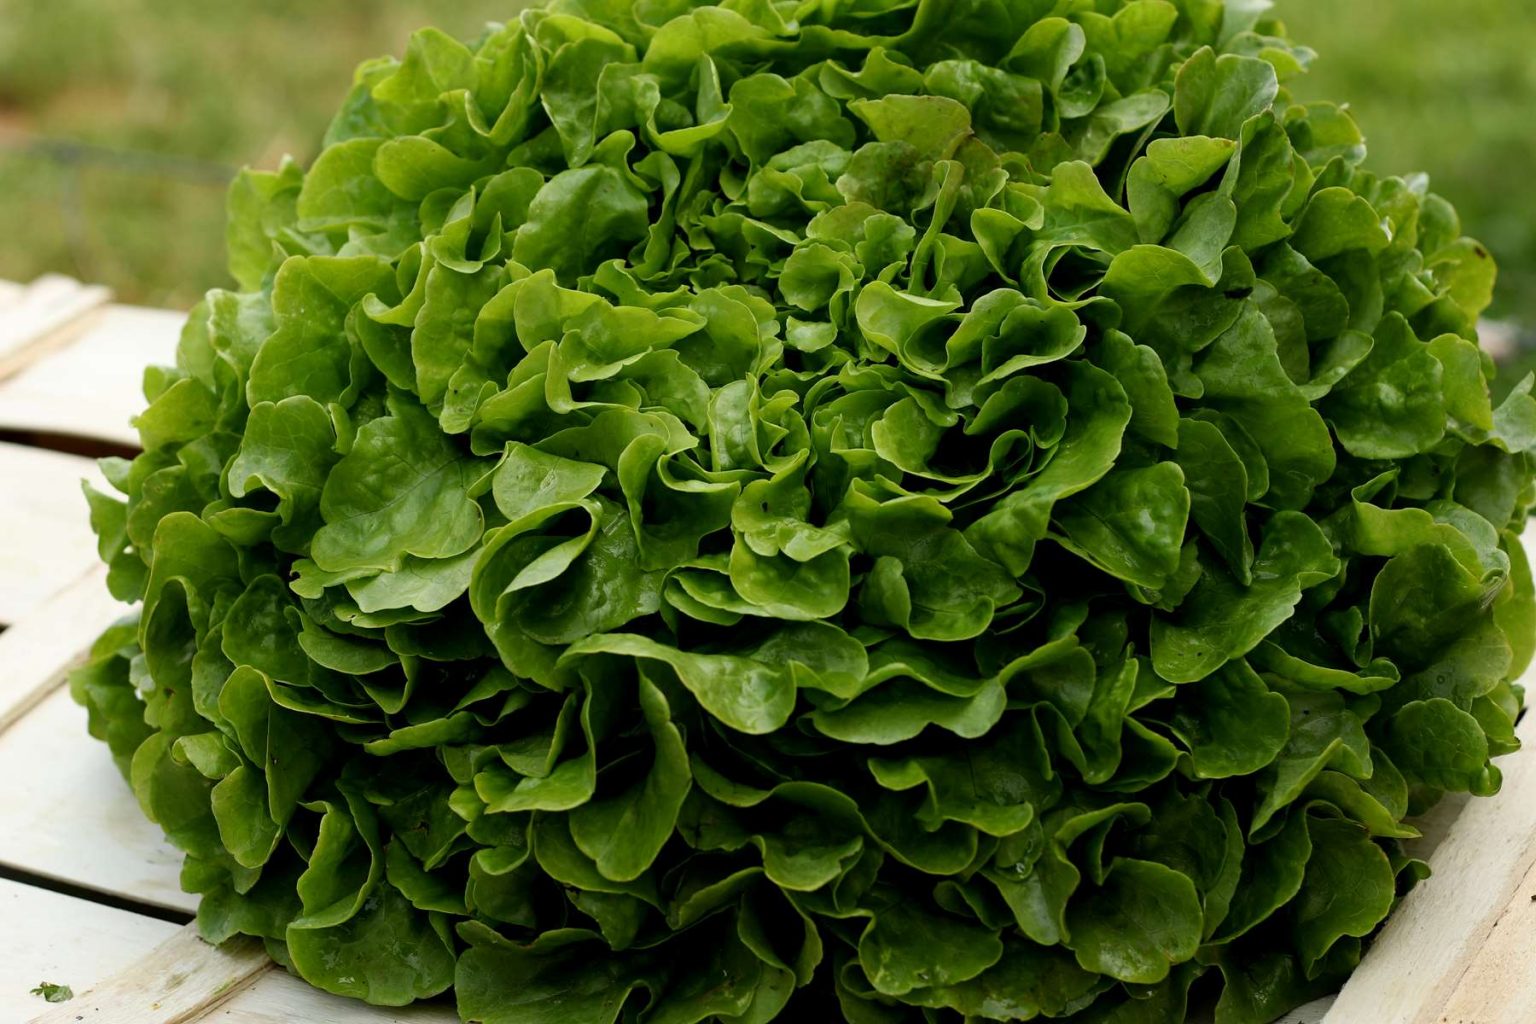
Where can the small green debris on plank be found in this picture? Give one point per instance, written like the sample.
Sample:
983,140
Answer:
54,993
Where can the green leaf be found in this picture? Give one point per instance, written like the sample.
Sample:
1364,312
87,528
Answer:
751,688
1325,732
1130,524
553,982
579,218
1221,619
900,711
1214,95
1437,744
1218,493
1154,416
1266,987
1169,170
1272,873
288,449
1144,918
1337,221
1390,406
624,833
1027,981
259,205
907,947
1232,723
309,352
402,490
1242,376
1099,415
1347,889
1424,600
927,578
1079,212
999,786
341,191
444,326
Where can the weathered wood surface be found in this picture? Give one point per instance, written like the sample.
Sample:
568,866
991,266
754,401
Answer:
69,815
280,998
38,652
45,537
92,387
1499,986
48,937
182,980
42,316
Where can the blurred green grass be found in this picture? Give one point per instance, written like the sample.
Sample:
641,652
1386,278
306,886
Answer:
179,92
176,94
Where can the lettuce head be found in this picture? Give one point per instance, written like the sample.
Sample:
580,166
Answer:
870,510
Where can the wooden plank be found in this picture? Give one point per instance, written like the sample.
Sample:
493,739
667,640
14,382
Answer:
180,982
45,315
281,998
1430,956
1500,985
59,939
73,819
39,651
187,981
92,387
1312,1013
45,533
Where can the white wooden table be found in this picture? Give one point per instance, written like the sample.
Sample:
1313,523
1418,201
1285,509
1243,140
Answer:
88,889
